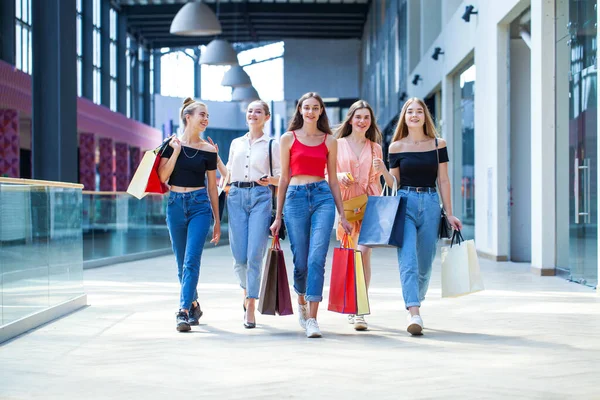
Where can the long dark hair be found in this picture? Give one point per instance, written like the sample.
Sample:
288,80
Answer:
345,129
297,121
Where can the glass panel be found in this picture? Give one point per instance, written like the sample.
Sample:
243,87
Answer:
79,77
577,134
113,95
18,40
79,37
18,9
464,150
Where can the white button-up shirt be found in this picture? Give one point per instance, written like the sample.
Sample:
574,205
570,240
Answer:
249,162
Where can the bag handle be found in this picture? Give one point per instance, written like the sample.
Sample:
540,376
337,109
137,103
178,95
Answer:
161,149
456,238
394,189
347,242
275,245
273,196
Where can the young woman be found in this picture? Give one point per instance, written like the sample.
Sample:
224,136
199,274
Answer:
414,162
249,202
189,209
359,165
307,150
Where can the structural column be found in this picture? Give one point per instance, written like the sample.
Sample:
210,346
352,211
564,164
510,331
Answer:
9,144
122,166
7,31
543,151
54,82
145,82
135,81
105,53
197,75
122,64
156,54
106,166
87,161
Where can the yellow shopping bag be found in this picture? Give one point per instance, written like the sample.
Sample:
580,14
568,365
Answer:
362,297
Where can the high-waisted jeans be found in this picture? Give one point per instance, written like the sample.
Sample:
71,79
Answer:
415,257
309,214
249,211
189,216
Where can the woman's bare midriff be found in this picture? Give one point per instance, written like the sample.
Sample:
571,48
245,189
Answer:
305,179
180,189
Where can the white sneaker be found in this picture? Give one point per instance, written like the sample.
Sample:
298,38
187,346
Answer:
302,314
351,319
415,325
312,328
360,324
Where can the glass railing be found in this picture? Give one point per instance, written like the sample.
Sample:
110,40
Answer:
117,224
41,246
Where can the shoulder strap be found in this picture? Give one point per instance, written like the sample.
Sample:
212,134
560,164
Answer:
437,153
271,156
324,140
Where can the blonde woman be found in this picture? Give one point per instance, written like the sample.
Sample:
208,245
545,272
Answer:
193,201
414,155
359,166
250,202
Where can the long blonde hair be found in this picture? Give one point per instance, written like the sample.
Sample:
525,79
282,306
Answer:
297,121
402,129
189,107
345,129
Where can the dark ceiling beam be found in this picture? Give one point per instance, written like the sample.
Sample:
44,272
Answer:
248,21
267,9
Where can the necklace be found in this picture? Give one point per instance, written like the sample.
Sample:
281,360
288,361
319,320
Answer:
418,141
186,154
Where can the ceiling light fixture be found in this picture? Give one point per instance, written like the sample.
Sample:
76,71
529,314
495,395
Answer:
236,77
244,94
195,19
219,52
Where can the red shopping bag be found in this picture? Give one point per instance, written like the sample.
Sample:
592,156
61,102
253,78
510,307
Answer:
146,180
274,295
342,289
284,300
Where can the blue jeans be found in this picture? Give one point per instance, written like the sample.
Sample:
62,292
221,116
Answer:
189,216
309,214
415,257
249,220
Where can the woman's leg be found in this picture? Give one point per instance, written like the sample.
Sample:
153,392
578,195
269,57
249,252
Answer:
427,237
407,256
238,233
258,235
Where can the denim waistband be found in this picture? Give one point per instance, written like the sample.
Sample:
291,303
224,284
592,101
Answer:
420,189
192,194
309,186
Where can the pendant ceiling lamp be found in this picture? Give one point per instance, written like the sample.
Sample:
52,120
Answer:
244,94
236,77
219,52
195,19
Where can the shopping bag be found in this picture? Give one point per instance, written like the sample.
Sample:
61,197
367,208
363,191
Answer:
362,297
342,288
275,291
383,223
146,180
460,268
284,300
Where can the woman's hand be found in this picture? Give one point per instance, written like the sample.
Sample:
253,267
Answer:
378,165
275,227
346,225
344,180
216,233
175,144
216,146
263,182
455,222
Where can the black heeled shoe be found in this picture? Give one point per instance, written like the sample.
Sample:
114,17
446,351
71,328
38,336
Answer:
249,325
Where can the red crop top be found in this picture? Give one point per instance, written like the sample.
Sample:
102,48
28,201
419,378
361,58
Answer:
308,160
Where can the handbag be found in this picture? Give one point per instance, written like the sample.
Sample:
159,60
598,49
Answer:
445,229
275,290
460,267
383,224
354,208
282,229
146,179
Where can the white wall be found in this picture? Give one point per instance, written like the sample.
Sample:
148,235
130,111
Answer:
485,39
329,67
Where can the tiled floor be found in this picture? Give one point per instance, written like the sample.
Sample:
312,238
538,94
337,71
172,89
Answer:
524,337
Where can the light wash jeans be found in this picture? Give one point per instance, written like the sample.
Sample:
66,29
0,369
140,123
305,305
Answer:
189,216
415,257
249,211
309,214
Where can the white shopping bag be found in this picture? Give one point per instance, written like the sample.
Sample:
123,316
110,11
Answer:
460,268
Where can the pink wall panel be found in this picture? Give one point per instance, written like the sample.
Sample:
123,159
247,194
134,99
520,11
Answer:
106,166
87,161
9,143
135,156
15,93
122,166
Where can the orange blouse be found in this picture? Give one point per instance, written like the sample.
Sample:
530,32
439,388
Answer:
366,179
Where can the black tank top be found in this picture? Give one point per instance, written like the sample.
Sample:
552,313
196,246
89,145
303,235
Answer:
190,172
418,169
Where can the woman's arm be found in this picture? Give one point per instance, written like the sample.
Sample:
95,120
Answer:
220,164
284,179
443,182
167,165
334,184
214,202
393,172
